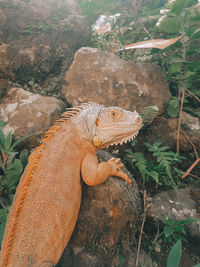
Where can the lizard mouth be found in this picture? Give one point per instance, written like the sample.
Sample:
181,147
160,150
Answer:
120,135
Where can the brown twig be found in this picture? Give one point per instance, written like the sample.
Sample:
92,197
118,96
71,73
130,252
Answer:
195,176
179,120
147,32
141,230
195,162
192,94
190,141
190,168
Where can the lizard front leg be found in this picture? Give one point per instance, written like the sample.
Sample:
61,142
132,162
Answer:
94,173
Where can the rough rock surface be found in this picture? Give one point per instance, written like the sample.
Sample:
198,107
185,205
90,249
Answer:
178,205
4,85
27,113
38,39
105,78
165,131
108,220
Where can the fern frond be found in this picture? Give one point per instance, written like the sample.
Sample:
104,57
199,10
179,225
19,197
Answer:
149,113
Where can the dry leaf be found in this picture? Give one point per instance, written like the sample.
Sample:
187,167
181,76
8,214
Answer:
154,43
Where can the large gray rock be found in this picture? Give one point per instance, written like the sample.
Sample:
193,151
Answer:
104,78
38,40
27,113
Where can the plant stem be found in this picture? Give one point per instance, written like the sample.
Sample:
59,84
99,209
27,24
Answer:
190,168
179,121
141,230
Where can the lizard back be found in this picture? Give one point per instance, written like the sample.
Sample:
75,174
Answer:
46,202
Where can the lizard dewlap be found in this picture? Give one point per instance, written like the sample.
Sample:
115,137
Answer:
47,200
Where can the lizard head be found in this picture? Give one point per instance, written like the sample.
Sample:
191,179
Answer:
115,125
106,126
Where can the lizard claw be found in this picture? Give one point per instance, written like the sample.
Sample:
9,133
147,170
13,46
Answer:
117,167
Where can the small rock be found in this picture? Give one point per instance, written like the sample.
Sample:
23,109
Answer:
178,205
27,113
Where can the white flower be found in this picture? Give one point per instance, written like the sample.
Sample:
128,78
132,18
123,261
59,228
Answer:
164,11
160,20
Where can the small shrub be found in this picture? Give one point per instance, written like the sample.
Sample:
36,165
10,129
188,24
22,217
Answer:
174,230
12,164
161,169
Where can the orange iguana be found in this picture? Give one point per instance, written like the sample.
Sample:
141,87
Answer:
47,201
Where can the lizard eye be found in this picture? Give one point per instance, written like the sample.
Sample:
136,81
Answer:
114,114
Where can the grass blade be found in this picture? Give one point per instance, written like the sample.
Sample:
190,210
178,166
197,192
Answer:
175,255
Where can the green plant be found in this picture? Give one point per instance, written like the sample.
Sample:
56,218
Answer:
12,164
38,28
175,253
180,63
162,169
174,257
174,230
33,86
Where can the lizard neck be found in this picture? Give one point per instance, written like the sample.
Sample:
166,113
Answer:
88,146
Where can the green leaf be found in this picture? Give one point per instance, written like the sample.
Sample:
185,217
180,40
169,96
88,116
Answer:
148,113
169,221
190,30
23,156
171,25
8,141
178,172
196,35
168,230
173,108
196,92
189,220
179,228
175,68
20,140
154,175
129,151
31,83
141,164
174,257
2,123
177,237
2,139
3,217
195,18
13,173
11,153
197,114
121,259
179,5
175,59
197,265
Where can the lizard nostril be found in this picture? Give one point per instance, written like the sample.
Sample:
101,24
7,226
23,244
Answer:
138,120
